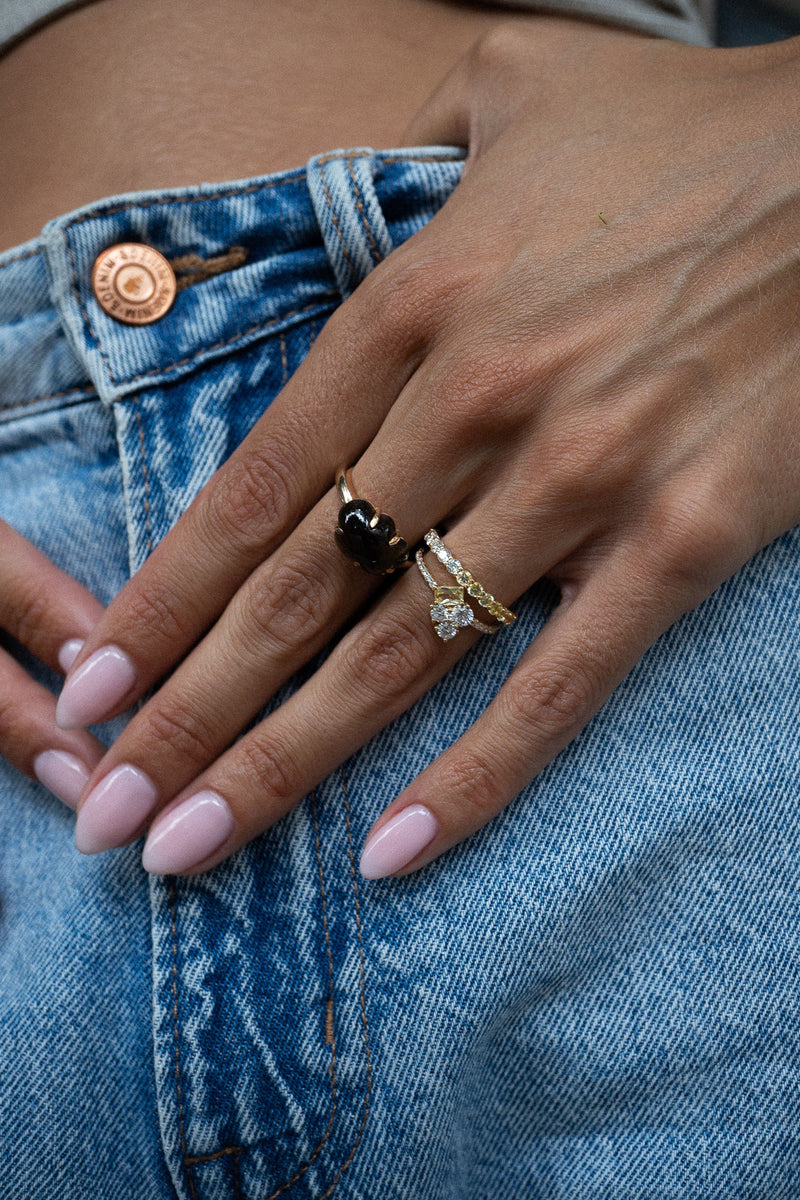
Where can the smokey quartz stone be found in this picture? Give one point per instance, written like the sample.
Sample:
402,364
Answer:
370,538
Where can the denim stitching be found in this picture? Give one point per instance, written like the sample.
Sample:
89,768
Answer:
362,991
175,1028
20,257
329,1006
147,523
89,390
238,1150
335,219
376,254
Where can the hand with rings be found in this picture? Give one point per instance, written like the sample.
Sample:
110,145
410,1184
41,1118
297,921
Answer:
610,403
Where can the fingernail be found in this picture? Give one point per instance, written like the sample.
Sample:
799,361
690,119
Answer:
63,773
95,688
187,834
114,810
69,652
393,846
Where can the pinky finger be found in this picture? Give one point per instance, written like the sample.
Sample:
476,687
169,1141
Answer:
32,742
586,649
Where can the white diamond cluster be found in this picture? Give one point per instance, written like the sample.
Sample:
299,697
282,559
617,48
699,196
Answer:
448,617
463,577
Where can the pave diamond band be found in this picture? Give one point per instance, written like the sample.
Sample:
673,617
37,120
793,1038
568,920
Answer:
462,576
449,611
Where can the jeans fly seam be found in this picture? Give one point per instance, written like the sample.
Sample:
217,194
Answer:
181,1128
376,254
329,1009
146,475
362,992
335,219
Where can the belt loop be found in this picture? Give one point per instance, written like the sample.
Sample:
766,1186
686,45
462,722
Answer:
342,188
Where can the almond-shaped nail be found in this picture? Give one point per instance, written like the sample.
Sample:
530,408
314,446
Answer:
114,809
69,652
398,842
96,688
185,835
62,773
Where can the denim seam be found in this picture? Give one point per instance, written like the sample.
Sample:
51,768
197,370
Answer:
362,989
335,219
20,257
89,390
146,475
376,254
181,1129
191,1160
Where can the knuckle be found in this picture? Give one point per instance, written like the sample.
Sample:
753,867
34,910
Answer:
489,393
187,734
287,605
407,298
388,656
9,717
473,782
251,499
155,609
269,767
550,704
591,460
33,616
698,541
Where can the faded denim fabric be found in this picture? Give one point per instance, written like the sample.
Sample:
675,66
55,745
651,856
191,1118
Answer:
596,996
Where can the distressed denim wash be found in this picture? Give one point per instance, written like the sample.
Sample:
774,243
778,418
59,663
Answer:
596,996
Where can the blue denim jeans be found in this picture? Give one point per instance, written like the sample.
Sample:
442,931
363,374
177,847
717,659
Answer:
595,996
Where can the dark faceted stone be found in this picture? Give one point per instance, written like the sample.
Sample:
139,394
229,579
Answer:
366,537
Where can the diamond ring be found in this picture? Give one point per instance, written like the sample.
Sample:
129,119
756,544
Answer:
450,610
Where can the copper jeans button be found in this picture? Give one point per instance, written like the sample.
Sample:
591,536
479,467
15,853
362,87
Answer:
133,283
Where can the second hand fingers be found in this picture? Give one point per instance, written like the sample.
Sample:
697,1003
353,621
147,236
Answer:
32,742
41,606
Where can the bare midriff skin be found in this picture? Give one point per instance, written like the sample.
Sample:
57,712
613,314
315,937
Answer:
136,94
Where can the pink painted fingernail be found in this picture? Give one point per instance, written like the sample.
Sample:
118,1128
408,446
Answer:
63,773
114,809
187,834
398,842
96,688
69,652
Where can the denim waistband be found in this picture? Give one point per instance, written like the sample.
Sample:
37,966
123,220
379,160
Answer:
251,257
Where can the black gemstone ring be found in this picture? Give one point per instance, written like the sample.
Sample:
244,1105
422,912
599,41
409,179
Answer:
365,535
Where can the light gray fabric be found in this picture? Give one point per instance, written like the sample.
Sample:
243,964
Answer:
683,20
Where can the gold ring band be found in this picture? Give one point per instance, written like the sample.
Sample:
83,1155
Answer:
450,611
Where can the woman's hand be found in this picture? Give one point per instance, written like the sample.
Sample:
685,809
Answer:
587,367
50,614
